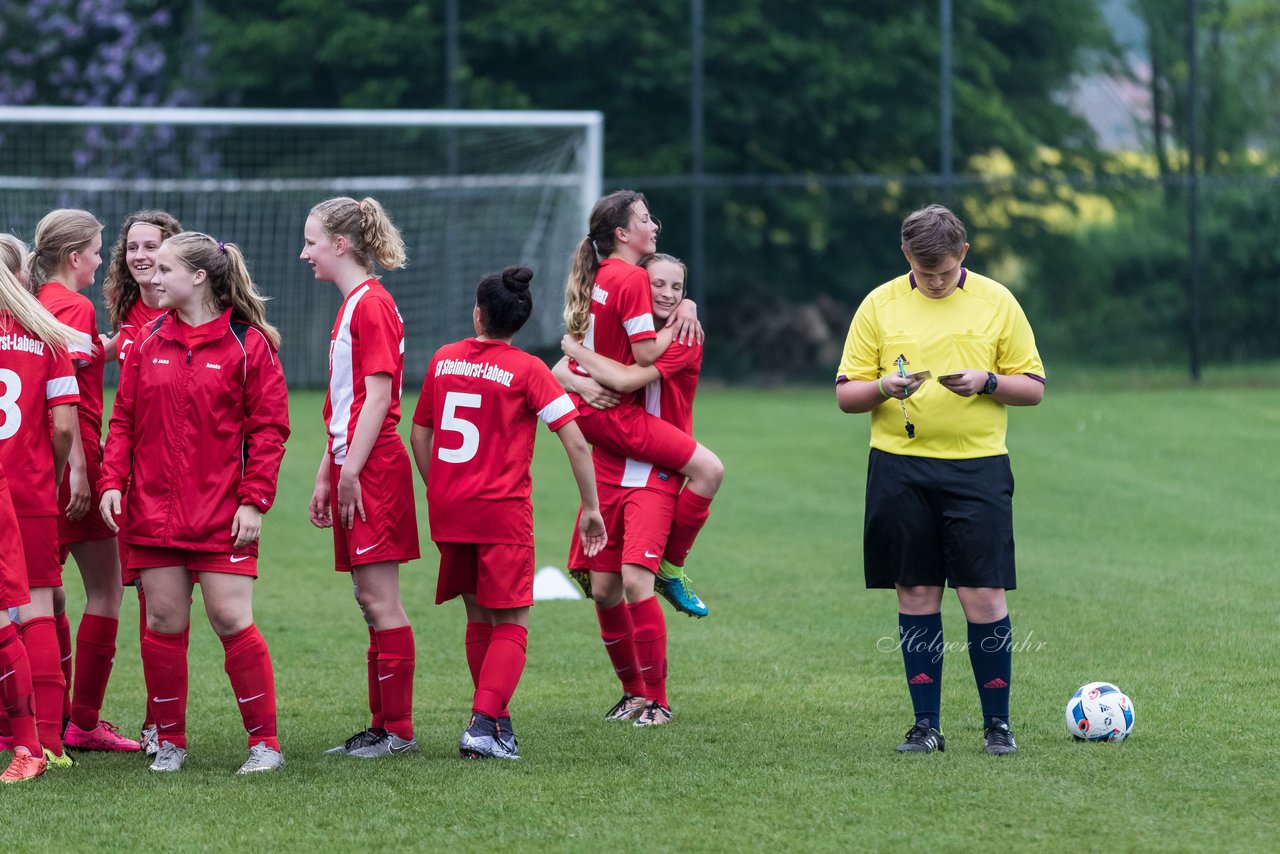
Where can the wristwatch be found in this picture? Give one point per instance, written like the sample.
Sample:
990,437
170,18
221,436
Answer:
990,387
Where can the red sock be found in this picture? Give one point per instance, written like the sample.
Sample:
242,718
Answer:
164,666
95,653
17,695
149,719
503,665
248,665
396,659
64,659
375,691
40,637
651,647
618,634
477,643
692,511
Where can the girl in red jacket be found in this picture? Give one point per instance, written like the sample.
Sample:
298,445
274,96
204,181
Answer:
133,306
197,434
36,382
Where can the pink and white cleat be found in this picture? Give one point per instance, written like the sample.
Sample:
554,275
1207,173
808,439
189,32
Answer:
104,736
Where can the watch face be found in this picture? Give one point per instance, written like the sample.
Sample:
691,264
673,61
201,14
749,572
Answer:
991,384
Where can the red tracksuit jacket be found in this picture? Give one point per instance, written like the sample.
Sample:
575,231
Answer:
198,428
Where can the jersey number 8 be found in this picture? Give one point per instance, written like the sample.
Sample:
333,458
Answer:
10,414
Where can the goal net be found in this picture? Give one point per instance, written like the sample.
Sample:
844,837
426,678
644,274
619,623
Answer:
472,192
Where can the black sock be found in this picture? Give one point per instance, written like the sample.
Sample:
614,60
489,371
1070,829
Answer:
991,653
921,642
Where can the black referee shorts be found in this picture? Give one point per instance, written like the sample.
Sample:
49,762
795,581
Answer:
937,522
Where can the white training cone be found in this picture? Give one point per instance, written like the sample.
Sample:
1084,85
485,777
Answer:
551,583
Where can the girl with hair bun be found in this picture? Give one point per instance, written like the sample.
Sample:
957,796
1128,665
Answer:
473,438
364,487
196,437
37,388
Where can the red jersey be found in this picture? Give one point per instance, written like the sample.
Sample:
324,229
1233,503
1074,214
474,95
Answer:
670,398
198,428
367,339
76,311
34,378
135,325
483,399
621,312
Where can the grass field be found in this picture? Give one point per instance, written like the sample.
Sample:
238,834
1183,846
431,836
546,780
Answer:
1146,525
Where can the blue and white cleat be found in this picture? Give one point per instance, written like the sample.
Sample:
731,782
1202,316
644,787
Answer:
676,588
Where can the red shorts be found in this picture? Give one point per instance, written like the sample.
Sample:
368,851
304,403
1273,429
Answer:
232,563
638,522
90,526
389,531
632,432
40,544
500,576
127,576
13,562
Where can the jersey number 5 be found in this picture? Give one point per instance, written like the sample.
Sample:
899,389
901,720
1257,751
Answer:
449,420
10,414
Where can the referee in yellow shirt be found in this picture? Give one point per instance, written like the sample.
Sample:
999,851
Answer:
936,356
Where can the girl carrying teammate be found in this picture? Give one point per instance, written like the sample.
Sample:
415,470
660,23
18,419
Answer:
66,255
608,309
639,503
473,437
133,306
196,435
37,384
364,488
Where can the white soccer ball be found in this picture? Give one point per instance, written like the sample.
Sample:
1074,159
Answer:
1100,711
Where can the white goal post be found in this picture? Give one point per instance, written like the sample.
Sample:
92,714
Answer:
472,192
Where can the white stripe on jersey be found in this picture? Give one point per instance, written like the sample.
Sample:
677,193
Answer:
643,323
60,387
636,472
556,409
342,391
81,346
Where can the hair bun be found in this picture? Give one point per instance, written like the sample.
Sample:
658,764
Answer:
516,279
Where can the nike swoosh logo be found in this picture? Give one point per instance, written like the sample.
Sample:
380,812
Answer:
651,554
169,726
612,642
404,749
254,697
66,657
368,548
642,669
385,678
238,558
7,675
255,729
165,700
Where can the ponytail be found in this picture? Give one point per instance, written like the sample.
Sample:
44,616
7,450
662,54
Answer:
17,304
371,235
59,233
230,285
607,215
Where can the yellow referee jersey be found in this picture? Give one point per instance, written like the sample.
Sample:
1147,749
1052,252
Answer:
978,326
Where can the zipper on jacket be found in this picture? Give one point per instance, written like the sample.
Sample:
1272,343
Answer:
188,357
